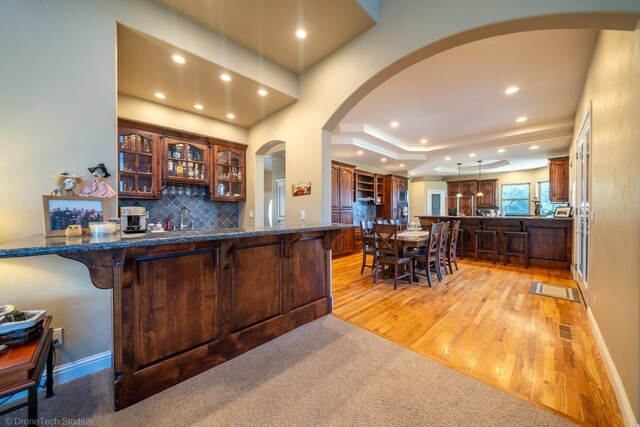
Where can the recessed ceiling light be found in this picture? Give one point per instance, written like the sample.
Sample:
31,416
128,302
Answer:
401,165
424,141
262,92
384,159
360,152
534,147
394,124
159,95
413,173
511,90
521,119
225,77
472,155
301,33
502,150
231,116
198,106
179,59
447,158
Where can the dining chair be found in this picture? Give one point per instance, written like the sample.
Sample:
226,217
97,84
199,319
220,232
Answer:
431,256
444,246
453,245
387,253
368,244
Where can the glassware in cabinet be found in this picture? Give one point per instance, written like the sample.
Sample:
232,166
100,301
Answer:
229,174
137,163
186,161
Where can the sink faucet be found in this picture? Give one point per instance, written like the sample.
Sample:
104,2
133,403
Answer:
184,211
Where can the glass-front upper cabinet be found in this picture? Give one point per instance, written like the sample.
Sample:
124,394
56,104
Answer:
138,172
229,174
186,161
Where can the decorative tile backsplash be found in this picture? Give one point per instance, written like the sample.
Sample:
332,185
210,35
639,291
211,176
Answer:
204,214
363,211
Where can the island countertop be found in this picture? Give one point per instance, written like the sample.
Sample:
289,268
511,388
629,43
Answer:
39,245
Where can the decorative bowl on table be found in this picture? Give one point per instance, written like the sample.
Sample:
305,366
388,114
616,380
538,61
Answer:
22,331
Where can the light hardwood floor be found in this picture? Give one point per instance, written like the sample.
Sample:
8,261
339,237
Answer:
483,322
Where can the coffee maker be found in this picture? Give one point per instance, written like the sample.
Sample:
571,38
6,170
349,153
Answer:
134,219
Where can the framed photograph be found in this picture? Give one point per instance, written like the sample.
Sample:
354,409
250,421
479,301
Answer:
301,189
563,212
61,212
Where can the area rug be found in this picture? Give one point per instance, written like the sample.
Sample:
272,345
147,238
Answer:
553,291
325,373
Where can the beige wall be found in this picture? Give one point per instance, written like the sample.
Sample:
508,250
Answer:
418,196
613,89
149,112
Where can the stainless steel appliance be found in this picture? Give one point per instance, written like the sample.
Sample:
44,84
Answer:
134,219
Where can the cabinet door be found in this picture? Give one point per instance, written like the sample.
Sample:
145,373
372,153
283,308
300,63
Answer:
559,179
138,165
489,189
335,187
465,206
468,187
452,188
346,188
229,174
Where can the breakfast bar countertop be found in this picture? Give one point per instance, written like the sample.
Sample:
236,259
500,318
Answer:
39,245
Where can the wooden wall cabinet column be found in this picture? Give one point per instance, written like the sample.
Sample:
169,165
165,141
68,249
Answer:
138,163
342,178
391,204
559,179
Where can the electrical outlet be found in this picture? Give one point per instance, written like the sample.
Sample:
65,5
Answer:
57,337
303,215
250,214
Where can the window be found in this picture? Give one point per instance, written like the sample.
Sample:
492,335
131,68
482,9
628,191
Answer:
546,207
515,199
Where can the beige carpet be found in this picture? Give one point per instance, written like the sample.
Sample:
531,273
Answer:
328,372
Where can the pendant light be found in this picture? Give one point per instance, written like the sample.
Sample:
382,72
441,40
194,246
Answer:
459,186
479,176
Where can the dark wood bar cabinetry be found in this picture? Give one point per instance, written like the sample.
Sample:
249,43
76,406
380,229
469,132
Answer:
550,243
186,301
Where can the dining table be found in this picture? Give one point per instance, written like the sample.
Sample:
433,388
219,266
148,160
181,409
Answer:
406,240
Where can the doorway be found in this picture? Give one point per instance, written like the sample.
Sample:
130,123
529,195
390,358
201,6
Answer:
583,151
274,173
436,202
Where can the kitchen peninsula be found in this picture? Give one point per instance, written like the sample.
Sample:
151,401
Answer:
550,243
186,301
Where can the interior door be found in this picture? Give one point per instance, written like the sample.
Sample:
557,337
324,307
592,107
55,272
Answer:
436,202
583,147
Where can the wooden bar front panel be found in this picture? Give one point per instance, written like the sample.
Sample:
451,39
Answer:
181,309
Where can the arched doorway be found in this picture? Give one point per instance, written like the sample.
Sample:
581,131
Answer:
270,173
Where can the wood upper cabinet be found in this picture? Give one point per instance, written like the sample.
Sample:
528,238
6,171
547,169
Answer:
364,186
559,179
346,188
488,187
467,187
342,185
228,174
138,163
186,161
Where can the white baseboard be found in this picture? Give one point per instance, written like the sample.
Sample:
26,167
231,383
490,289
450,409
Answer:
618,387
72,370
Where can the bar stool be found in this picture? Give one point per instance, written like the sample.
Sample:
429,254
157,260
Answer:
487,233
461,250
511,237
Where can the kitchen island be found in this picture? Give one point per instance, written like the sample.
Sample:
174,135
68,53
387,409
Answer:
550,239
186,301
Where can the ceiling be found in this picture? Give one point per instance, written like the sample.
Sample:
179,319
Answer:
456,101
145,67
268,27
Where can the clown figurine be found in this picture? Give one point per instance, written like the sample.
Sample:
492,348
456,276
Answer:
98,188
67,182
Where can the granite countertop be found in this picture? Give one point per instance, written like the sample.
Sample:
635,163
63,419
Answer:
39,245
